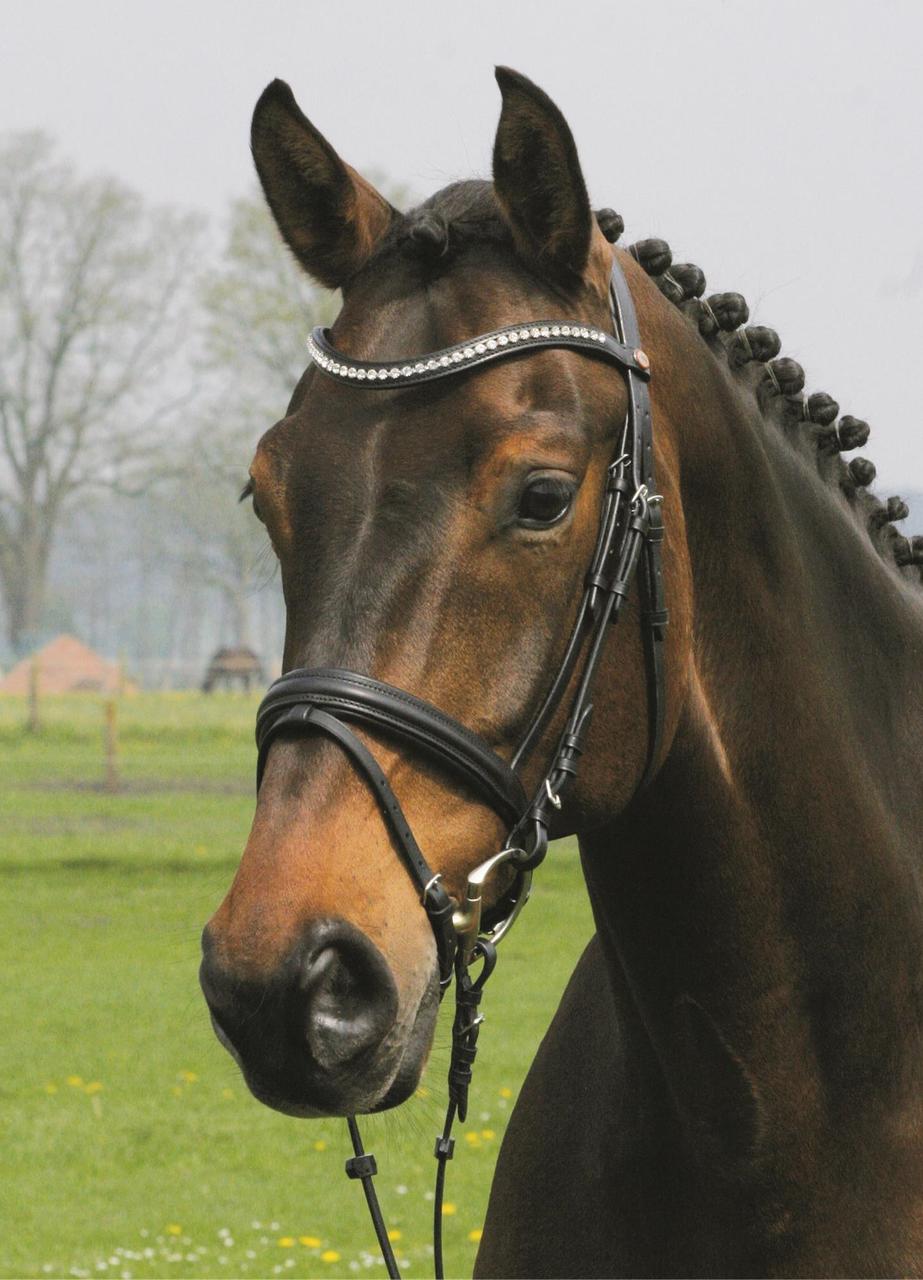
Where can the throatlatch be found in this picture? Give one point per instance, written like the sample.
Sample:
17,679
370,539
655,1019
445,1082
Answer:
323,700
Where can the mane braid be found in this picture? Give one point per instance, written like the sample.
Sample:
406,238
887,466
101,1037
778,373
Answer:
810,422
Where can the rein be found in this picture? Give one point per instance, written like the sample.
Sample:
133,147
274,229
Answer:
328,700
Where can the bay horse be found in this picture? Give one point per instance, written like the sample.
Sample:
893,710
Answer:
733,1083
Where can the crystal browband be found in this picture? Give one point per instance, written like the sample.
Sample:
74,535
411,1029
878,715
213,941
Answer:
479,350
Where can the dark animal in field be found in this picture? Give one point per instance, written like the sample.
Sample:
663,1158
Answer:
235,666
733,1084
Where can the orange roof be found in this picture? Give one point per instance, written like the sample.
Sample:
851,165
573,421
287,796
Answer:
65,665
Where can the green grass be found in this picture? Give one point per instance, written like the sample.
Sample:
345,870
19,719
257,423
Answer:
128,1143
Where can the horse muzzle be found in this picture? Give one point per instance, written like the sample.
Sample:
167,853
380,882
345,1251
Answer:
322,1035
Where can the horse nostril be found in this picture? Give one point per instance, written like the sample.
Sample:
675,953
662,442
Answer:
350,998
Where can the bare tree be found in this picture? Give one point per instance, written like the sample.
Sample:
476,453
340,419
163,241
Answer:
93,291
259,308
224,548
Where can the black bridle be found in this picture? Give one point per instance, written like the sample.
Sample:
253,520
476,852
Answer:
323,700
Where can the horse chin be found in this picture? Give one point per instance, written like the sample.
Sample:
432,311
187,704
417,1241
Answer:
399,1069
415,1055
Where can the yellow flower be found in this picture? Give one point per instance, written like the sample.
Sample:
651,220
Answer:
76,1081
487,1134
472,1138
422,1091
320,1145
190,1077
330,1255
286,1242
174,1229
93,1087
448,1208
309,1242
394,1235
51,1087
475,1235
506,1093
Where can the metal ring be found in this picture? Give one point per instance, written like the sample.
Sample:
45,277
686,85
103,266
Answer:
555,799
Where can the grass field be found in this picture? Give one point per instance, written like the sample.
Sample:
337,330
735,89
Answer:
128,1145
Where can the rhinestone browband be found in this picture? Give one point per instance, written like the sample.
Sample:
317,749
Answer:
479,350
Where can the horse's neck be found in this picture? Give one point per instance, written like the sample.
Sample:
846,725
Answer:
761,903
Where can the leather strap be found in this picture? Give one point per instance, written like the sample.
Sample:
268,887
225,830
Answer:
654,618
302,719
622,535
654,614
358,697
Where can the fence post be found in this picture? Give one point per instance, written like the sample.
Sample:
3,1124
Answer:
111,742
35,719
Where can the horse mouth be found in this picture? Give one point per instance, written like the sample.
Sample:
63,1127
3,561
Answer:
385,1080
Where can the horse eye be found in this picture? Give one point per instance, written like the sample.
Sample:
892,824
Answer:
247,492
544,502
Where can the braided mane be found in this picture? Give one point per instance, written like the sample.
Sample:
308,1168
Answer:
810,422
467,211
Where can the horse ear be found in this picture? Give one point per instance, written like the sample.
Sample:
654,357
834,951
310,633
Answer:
539,182
330,217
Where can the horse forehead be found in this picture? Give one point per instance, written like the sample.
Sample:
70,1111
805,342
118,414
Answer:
444,432
341,427
404,309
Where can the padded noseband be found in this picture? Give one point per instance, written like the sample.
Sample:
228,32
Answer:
359,698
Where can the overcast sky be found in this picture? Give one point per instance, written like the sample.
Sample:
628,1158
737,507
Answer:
776,145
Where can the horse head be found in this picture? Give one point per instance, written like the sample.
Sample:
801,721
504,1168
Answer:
435,537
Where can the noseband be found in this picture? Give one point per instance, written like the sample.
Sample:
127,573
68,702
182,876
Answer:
328,700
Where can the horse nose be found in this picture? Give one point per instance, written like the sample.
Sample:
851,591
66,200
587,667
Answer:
332,1000
350,1000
